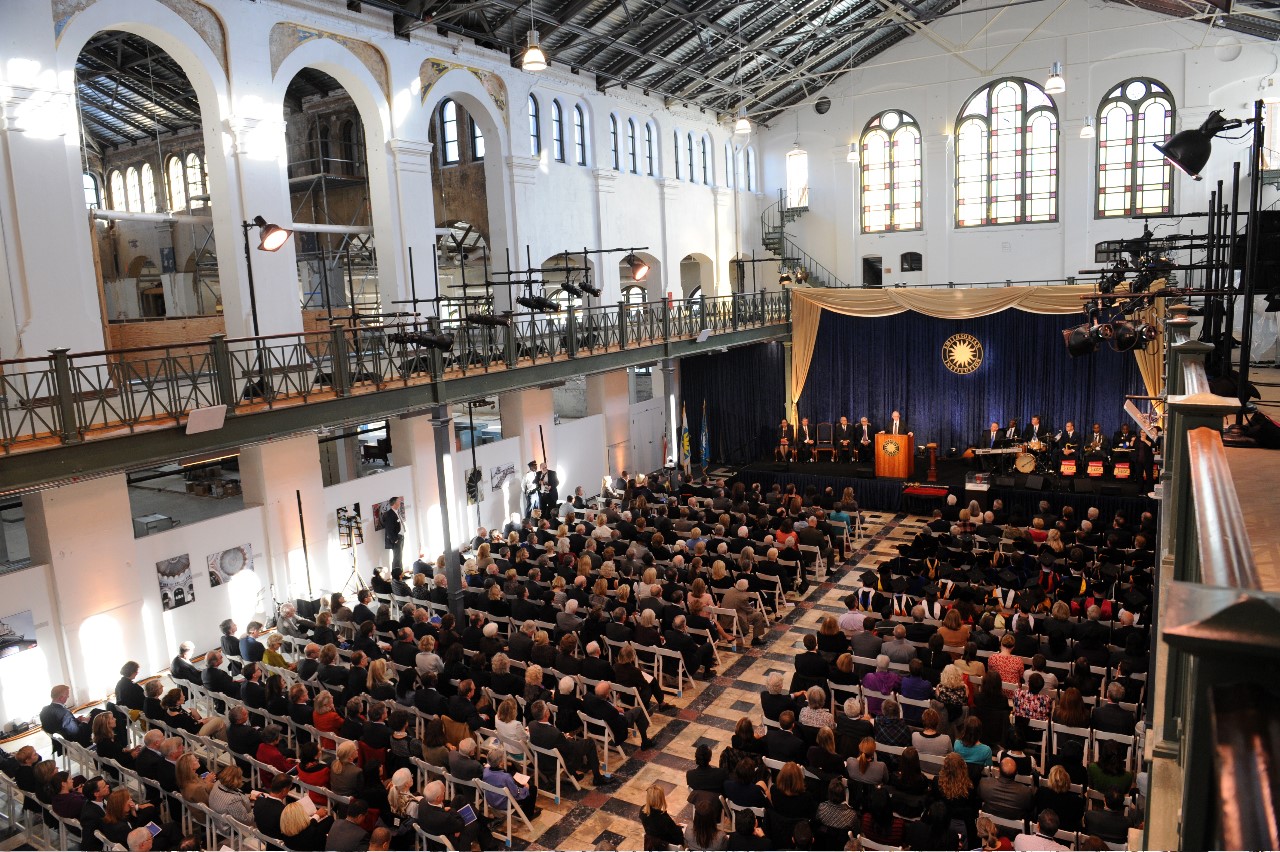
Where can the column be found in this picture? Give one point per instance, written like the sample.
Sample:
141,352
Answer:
670,391
340,460
442,425
84,533
726,248
609,394
275,476
605,273
413,444
522,412
414,191
524,175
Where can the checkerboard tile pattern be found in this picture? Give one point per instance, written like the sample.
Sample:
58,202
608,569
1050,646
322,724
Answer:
705,713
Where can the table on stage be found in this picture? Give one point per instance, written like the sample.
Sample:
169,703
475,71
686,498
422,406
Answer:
895,456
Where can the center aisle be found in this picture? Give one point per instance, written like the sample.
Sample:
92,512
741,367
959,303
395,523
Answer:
708,712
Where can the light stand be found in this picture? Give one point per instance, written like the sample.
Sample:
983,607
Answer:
1236,430
273,238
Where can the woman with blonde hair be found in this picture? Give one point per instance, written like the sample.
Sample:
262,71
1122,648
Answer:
698,592
190,784
272,656
720,578
1055,794
427,660
989,836
345,775
534,689
543,652
864,768
379,684
511,732
300,831
659,828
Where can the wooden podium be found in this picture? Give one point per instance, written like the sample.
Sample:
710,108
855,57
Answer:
895,456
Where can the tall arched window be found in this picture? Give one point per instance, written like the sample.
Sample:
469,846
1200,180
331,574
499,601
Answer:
477,141
648,150
449,149
347,147
891,191
797,167
1133,177
675,152
535,142
1007,156
557,132
116,182
706,161
615,153
148,189
631,146
688,159
92,197
750,168
579,136
326,151
177,182
132,190
195,180
633,294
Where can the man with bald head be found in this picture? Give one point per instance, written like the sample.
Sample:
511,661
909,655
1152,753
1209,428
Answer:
1004,796
599,705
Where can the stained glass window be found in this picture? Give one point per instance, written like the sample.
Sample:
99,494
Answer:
1007,156
891,172
1133,177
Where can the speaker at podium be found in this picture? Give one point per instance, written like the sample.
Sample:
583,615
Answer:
895,456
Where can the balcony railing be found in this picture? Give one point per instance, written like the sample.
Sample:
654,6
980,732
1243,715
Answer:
66,397
1216,732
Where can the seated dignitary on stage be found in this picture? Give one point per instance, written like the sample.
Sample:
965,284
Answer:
1125,439
786,448
896,425
1096,446
992,438
805,441
844,441
862,439
1011,431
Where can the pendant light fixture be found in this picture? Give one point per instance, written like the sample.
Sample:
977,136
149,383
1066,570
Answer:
1056,84
1087,131
852,156
742,126
534,59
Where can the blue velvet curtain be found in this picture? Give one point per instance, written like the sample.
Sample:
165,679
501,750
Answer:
873,365
745,392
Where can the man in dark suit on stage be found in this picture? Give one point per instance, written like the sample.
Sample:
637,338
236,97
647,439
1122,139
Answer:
991,438
805,440
844,440
1097,443
1069,443
862,436
1011,431
1036,431
896,426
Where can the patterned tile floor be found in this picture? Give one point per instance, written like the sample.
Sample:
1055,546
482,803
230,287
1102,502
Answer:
707,713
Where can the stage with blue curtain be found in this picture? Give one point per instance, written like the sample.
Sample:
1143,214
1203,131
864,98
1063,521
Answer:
871,366
744,391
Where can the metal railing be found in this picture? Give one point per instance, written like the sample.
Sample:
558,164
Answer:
66,397
1215,713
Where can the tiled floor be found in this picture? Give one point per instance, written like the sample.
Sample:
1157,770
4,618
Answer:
706,713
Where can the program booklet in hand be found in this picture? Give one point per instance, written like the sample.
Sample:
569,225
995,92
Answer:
521,779
308,805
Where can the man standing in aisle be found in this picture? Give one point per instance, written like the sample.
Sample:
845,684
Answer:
393,532
529,488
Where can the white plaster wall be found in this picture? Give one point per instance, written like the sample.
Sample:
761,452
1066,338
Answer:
497,506
581,457
25,678
1100,45
367,490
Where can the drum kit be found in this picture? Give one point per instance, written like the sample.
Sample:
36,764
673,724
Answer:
1033,457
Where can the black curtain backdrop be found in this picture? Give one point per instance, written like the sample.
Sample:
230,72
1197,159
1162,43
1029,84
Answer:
745,392
873,365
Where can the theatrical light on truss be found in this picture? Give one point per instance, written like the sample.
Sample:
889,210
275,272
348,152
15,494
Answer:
590,289
488,319
424,339
534,59
852,156
571,289
1127,335
1056,84
639,269
538,303
1189,150
1088,132
272,236
742,126
1083,339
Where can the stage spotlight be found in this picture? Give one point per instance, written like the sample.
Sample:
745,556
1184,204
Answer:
443,342
1083,339
571,289
488,319
538,303
1131,335
639,269
590,289
1189,150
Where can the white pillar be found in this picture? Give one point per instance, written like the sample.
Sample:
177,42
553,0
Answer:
522,412
610,394
413,443
414,191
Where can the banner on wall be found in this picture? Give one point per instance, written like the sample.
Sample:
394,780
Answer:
499,475
17,633
705,450
227,563
177,588
684,438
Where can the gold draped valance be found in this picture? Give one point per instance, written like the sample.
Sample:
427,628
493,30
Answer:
807,306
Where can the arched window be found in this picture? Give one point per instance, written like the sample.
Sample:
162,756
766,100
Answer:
177,182
797,177
557,132
132,190
92,197
449,152
706,161
148,189
579,136
891,190
535,132
615,153
1007,156
326,151
750,169
116,182
648,150
631,146
1133,177
675,152
347,147
633,295
195,180
477,141
561,298
911,261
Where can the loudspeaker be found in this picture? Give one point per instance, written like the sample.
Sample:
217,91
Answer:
1035,482
1004,481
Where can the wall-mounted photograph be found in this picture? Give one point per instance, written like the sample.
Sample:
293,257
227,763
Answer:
228,563
177,587
17,633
